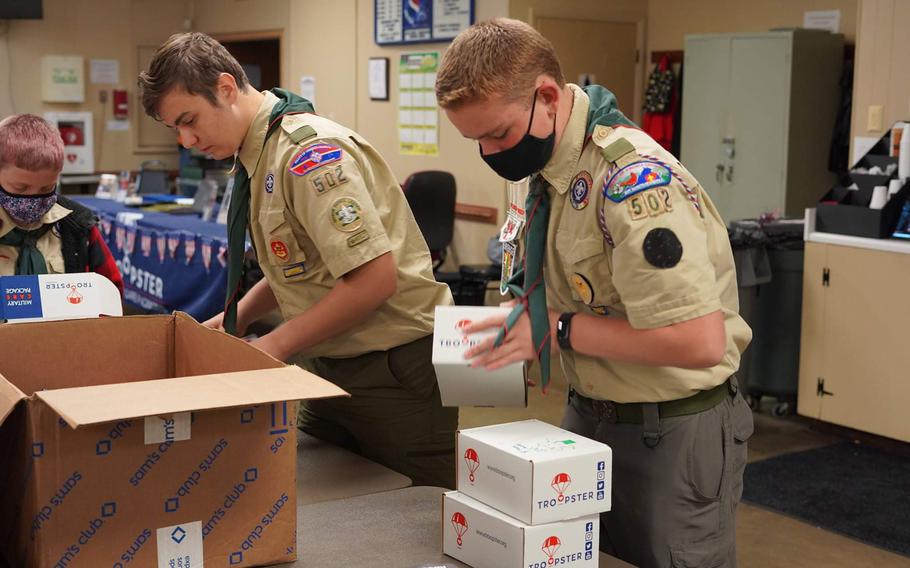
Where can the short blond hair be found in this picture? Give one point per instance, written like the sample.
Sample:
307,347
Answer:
498,57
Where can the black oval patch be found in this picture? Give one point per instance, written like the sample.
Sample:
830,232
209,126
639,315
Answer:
662,248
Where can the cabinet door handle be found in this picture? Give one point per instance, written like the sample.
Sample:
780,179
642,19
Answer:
719,175
730,173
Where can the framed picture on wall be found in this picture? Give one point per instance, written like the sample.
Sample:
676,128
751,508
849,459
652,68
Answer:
379,78
420,21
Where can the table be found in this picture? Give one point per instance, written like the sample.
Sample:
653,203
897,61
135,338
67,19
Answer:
394,529
168,262
326,472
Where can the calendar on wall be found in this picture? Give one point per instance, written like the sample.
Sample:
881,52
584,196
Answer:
420,21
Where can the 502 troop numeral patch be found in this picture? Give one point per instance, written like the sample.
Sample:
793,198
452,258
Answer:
650,203
322,183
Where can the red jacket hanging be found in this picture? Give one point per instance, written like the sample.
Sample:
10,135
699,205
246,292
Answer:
661,104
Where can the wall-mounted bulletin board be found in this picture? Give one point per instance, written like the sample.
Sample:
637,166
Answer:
420,21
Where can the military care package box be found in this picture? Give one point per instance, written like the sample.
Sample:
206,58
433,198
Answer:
146,441
529,494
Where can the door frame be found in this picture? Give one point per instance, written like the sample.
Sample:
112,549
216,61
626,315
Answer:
258,36
640,49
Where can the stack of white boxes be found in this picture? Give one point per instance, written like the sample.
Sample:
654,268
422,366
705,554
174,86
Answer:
529,496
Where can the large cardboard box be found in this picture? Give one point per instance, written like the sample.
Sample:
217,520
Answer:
483,537
146,441
460,384
534,471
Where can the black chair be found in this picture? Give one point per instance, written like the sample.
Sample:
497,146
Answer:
152,178
431,195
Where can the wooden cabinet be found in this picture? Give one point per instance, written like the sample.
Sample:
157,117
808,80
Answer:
855,354
758,113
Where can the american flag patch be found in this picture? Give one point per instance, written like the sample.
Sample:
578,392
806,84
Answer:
312,157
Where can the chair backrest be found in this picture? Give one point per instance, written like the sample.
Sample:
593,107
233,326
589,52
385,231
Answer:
431,195
153,177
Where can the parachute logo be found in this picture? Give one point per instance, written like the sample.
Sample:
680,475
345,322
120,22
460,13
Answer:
74,297
550,546
462,324
560,483
473,462
460,524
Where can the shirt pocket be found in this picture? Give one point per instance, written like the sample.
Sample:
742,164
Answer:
283,250
588,270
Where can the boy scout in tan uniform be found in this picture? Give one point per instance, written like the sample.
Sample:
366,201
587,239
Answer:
322,209
635,251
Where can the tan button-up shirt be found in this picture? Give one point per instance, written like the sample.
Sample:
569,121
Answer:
324,205
48,244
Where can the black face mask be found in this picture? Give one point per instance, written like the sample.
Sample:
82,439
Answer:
529,156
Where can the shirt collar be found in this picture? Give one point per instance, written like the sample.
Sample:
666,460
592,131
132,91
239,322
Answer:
563,164
251,148
55,213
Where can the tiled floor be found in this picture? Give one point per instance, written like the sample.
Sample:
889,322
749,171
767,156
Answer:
764,538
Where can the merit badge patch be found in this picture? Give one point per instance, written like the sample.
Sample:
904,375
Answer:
662,248
636,178
346,214
583,287
279,249
649,203
581,186
508,266
269,182
314,156
357,238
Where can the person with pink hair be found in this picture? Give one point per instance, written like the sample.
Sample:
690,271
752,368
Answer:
42,232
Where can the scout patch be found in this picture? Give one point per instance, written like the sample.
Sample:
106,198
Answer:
662,248
580,187
510,228
508,266
583,287
599,310
357,238
346,214
269,182
636,178
649,203
314,156
294,270
279,249
331,179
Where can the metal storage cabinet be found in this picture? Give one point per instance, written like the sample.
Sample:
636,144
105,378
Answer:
758,114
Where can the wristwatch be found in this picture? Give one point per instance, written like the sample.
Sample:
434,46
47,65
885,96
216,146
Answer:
563,328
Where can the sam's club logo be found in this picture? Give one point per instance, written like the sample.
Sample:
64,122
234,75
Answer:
460,524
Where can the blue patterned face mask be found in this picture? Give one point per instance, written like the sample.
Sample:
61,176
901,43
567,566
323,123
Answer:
27,210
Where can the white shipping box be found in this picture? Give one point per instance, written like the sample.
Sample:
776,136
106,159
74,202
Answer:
483,537
534,471
461,385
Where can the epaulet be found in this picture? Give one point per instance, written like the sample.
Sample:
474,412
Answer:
297,128
611,148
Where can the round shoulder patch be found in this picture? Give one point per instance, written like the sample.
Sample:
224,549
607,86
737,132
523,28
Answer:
346,214
581,186
636,178
662,248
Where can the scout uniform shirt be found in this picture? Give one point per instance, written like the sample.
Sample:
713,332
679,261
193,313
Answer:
48,244
322,203
633,235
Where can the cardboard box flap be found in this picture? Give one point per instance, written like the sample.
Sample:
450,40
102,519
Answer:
9,398
106,403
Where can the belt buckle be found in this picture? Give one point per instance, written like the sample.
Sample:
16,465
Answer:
606,410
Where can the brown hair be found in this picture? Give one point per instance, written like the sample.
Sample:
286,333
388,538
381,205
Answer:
192,62
496,57
31,143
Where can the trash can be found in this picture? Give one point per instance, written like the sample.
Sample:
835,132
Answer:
777,318
769,270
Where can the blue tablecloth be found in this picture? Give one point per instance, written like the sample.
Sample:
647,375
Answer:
168,262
